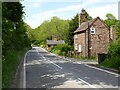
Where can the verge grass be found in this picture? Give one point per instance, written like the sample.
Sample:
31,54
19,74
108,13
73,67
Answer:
10,63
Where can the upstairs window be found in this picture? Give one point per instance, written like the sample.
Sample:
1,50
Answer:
76,36
92,30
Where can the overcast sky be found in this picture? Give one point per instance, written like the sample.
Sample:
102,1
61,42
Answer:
39,10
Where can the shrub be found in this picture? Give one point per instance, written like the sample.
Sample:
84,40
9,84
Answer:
43,44
61,49
113,59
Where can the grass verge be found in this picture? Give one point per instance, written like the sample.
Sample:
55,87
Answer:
10,64
85,58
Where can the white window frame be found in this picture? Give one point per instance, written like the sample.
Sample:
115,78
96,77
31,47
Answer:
80,48
92,30
76,46
111,33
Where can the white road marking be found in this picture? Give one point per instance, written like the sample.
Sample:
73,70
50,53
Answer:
55,64
62,68
102,70
51,62
87,83
24,71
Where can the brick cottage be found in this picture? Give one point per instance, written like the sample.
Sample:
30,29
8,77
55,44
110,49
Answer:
91,37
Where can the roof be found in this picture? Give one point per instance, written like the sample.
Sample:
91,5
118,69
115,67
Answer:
84,25
54,42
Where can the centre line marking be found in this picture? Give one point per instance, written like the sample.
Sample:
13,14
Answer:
87,83
55,64
50,61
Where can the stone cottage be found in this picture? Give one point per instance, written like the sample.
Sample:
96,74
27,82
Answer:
91,37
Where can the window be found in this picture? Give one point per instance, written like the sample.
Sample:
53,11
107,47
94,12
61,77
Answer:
76,46
92,30
80,49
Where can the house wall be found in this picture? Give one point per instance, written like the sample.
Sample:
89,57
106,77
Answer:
99,40
80,40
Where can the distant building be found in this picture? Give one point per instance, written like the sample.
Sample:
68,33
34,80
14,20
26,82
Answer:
92,37
51,43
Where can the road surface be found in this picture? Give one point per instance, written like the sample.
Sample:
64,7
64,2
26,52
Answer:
46,70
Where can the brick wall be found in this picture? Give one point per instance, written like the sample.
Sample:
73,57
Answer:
81,41
98,42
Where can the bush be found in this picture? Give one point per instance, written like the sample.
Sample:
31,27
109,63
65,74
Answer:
61,49
113,59
114,49
113,62
43,44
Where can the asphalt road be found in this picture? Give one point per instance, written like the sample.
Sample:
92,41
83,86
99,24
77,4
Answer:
46,70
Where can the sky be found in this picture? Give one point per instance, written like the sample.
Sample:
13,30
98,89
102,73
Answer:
37,11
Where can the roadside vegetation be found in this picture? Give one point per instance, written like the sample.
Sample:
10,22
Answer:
15,40
61,49
113,58
10,63
49,29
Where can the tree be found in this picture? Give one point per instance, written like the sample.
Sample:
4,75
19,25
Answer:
14,34
56,27
73,25
88,17
110,20
15,40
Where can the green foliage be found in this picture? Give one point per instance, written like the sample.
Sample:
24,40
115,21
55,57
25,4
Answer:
14,33
113,62
56,27
73,25
28,31
88,17
61,49
114,51
12,11
14,40
110,20
43,44
118,31
9,66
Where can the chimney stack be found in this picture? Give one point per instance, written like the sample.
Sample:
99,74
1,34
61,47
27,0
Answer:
82,17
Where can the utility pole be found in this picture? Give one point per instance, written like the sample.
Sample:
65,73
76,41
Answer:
89,54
